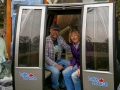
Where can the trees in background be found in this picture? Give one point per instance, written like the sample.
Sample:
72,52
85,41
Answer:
118,15
2,14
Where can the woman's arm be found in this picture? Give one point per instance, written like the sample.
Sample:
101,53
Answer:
73,61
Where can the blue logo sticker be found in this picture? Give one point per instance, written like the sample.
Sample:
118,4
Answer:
97,81
27,76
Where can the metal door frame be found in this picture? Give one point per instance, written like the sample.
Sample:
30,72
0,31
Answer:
111,33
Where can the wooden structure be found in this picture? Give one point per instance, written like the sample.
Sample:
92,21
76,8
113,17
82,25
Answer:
8,27
45,2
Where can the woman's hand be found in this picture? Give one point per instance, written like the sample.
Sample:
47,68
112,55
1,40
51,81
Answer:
78,72
71,67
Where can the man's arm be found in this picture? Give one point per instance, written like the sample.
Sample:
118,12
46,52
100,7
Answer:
64,44
51,62
47,59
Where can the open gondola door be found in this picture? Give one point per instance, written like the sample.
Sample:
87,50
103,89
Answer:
29,48
98,65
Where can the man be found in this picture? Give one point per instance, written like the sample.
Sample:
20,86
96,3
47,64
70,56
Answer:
53,50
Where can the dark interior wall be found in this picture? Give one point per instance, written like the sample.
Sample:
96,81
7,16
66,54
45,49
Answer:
72,20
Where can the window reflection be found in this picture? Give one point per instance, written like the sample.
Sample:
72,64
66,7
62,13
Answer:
97,58
29,38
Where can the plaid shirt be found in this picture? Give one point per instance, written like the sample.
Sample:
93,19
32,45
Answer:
49,50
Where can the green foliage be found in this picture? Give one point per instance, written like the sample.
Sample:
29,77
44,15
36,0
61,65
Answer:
118,8
118,15
119,32
118,12
102,57
2,15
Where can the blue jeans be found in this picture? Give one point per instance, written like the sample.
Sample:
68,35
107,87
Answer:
72,81
56,73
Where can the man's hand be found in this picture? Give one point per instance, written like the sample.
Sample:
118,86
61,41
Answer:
60,67
78,72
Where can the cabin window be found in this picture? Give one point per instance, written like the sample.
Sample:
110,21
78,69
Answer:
97,34
29,38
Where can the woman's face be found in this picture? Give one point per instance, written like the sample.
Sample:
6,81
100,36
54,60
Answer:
74,38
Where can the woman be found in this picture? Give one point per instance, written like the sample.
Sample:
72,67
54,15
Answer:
72,73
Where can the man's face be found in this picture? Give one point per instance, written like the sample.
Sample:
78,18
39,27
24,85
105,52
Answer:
54,33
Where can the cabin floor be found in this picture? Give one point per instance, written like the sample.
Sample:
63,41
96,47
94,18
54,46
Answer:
48,87
48,83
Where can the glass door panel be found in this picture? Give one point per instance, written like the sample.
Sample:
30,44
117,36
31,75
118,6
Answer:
29,48
97,24
29,38
97,47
